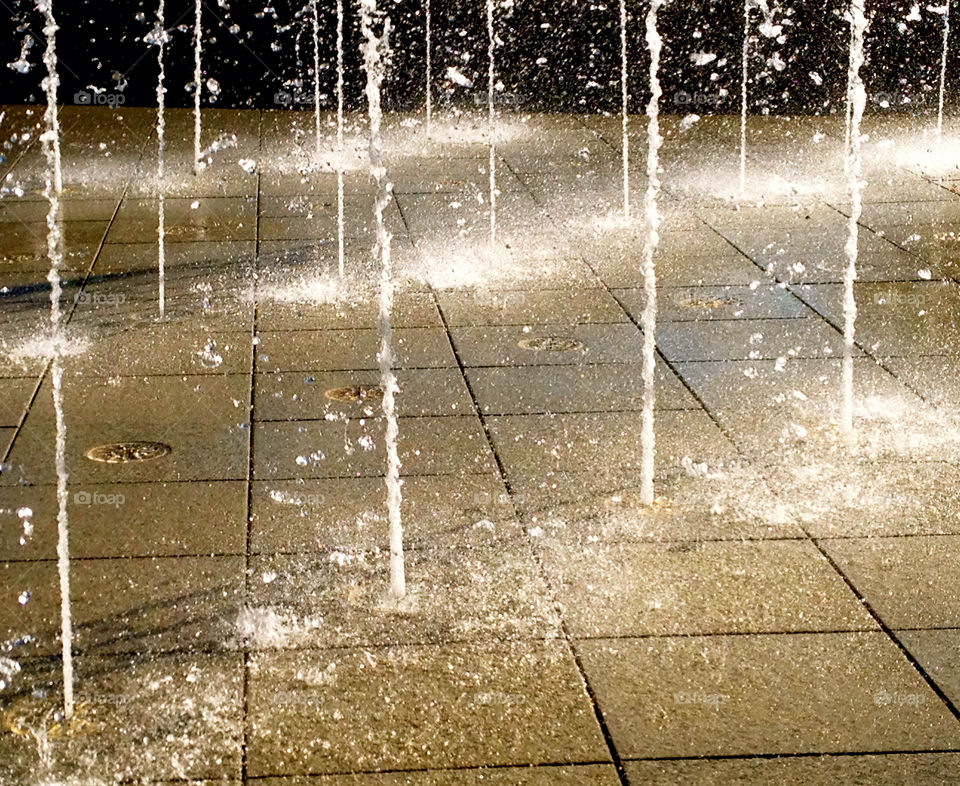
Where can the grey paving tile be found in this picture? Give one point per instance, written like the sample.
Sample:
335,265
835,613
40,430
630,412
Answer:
523,390
802,693
882,770
454,593
837,497
410,310
547,344
128,520
348,514
127,605
343,350
529,307
722,501
144,718
312,449
931,377
357,394
15,395
510,704
630,589
885,571
587,774
535,445
203,420
748,339
938,653
694,304
163,349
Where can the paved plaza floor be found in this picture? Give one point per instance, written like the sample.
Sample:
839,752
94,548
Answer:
787,612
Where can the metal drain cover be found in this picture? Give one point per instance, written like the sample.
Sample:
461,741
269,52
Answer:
551,344
706,302
355,393
127,452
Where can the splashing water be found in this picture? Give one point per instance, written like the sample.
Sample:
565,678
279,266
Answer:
854,167
492,119
53,187
340,227
158,38
744,77
318,138
625,100
429,76
943,64
197,84
375,52
648,320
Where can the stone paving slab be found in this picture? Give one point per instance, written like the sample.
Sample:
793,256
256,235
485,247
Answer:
137,718
697,502
519,703
551,775
522,390
410,310
204,420
529,307
881,770
454,593
868,498
802,693
630,589
317,449
547,344
885,571
696,304
339,395
341,350
16,394
167,349
748,339
348,514
127,605
128,520
536,444
938,653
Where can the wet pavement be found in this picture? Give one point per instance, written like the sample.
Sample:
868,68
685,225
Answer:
786,612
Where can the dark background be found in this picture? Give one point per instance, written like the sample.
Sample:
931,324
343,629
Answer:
252,52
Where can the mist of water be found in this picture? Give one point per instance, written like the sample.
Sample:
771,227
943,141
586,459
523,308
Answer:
648,320
375,50
197,84
53,186
625,101
854,167
492,117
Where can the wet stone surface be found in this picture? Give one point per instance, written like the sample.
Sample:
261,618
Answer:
789,597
